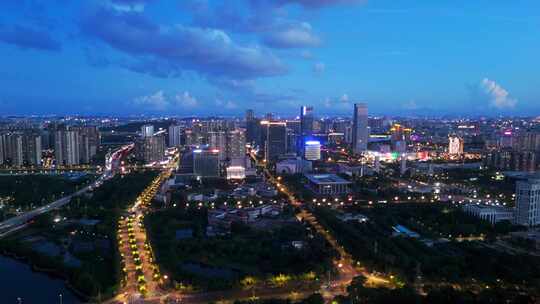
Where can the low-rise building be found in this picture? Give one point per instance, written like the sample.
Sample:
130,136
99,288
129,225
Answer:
492,214
328,184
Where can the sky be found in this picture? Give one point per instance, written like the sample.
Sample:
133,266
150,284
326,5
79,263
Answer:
206,57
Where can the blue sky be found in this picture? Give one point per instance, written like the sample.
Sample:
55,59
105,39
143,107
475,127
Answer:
187,57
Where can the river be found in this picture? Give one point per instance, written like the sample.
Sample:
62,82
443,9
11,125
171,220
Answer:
17,280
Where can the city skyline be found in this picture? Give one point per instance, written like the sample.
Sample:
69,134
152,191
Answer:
207,58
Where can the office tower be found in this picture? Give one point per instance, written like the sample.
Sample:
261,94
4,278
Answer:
276,139
306,121
206,162
306,127
455,145
253,129
360,128
147,130
312,150
175,136
151,148
528,202
294,142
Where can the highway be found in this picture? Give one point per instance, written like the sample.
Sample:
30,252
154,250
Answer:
18,222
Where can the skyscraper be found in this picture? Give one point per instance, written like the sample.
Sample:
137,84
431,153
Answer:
306,127
67,147
253,134
151,148
32,149
528,202
147,130
206,162
306,120
175,135
276,139
360,128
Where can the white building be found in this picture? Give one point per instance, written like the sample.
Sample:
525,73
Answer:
313,150
147,130
175,135
492,214
455,145
528,202
236,172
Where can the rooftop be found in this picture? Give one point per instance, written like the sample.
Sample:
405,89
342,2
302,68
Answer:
326,179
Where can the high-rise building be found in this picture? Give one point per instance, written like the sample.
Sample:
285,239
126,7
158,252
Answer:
175,136
2,148
276,139
360,128
253,128
312,150
193,137
218,140
455,145
15,149
528,202
306,120
236,144
151,148
206,162
89,140
147,130
67,147
32,149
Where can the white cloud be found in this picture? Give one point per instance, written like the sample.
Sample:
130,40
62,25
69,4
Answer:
410,105
160,101
226,104
319,68
340,103
498,96
156,101
292,35
186,100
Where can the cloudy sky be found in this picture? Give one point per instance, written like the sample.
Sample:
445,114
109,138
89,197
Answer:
187,57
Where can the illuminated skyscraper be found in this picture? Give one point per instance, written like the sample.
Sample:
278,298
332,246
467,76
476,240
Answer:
306,127
360,128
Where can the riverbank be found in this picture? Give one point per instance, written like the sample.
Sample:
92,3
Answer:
32,285
49,272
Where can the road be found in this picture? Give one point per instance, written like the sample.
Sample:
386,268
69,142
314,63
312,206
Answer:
18,222
347,269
